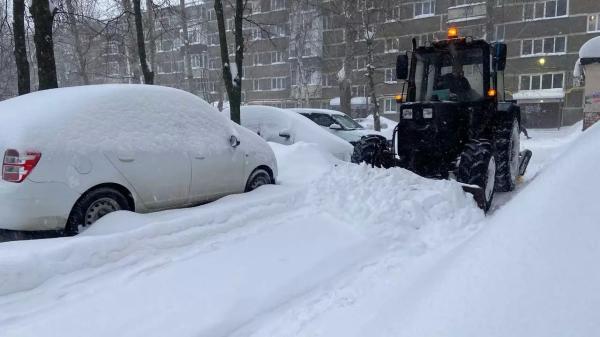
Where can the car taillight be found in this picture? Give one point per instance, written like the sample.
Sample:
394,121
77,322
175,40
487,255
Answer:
16,167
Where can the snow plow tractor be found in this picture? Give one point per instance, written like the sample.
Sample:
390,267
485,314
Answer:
454,122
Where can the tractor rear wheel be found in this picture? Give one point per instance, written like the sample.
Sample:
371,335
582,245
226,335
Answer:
507,155
477,167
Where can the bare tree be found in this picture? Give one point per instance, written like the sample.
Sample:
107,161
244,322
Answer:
131,51
42,12
20,42
151,34
306,44
346,11
231,79
187,59
368,33
141,46
80,52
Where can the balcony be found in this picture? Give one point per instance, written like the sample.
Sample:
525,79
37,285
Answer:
467,12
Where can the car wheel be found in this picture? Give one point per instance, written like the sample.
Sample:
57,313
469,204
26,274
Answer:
257,179
92,206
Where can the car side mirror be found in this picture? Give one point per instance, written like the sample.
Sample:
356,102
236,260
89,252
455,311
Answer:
402,67
234,141
335,126
285,134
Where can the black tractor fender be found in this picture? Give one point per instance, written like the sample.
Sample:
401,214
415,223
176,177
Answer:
507,112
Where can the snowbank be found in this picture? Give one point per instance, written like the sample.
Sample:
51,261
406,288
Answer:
213,269
387,131
532,271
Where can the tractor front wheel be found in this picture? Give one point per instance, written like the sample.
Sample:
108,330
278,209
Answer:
477,167
374,151
507,153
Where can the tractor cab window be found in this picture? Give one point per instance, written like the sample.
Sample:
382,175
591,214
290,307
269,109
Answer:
450,75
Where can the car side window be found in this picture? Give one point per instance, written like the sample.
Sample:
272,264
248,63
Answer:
322,119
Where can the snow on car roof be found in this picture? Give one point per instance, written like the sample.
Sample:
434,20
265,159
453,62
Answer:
123,116
304,129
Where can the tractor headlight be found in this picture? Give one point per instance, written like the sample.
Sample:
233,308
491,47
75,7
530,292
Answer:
428,113
407,114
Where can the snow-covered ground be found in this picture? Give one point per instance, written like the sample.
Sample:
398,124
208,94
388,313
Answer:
335,250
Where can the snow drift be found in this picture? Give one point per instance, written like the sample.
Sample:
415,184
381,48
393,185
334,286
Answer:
230,261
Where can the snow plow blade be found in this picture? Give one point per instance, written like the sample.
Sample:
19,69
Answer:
478,194
524,158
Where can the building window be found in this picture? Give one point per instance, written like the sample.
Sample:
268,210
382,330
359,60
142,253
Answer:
277,5
544,46
276,57
328,23
359,90
256,85
593,23
390,75
390,104
278,83
361,63
454,3
424,38
393,14
112,48
500,33
392,45
424,8
541,81
113,68
198,60
545,9
329,80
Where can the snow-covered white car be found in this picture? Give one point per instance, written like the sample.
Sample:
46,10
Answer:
337,123
288,127
72,155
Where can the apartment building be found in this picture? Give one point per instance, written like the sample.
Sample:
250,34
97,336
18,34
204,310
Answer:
294,56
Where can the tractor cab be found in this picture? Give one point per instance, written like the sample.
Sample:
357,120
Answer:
454,121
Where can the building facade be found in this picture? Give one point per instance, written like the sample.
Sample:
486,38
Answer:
294,52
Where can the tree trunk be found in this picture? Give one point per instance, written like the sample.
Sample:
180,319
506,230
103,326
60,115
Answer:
23,80
233,86
131,51
79,53
43,18
151,34
373,98
187,59
346,81
139,29
370,40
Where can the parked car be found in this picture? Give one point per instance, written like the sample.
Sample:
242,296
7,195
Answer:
337,123
288,127
72,155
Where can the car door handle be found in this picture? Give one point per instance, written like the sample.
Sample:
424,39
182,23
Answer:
126,159
199,157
